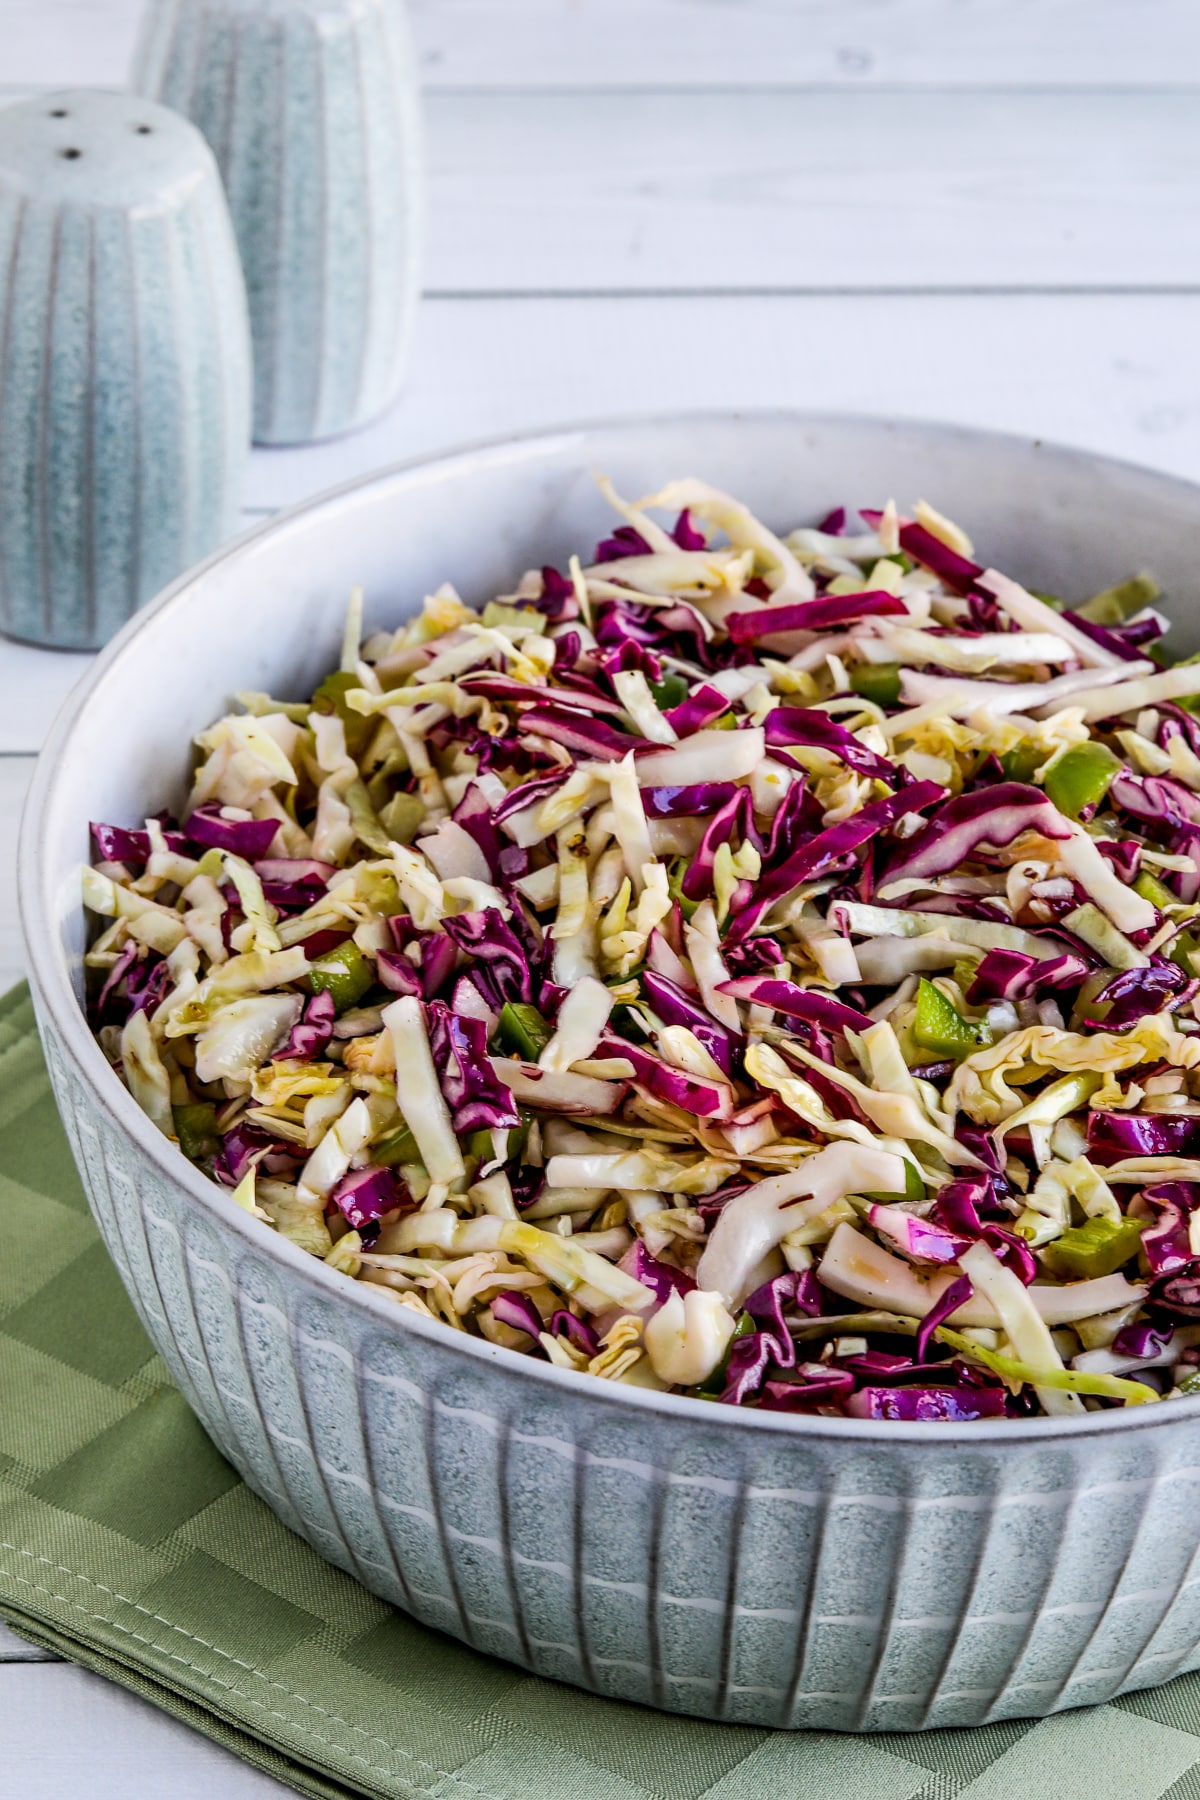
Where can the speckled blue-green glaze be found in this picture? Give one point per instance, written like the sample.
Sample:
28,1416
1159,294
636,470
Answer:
124,362
310,107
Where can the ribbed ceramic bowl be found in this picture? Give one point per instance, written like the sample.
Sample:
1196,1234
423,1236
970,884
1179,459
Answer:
735,1565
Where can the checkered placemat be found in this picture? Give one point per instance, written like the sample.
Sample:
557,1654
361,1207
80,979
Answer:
129,1545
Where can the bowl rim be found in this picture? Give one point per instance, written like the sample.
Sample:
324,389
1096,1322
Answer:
50,981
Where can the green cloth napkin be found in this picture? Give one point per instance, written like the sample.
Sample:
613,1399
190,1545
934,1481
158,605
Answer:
129,1545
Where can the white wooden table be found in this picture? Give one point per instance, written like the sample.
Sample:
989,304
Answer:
979,210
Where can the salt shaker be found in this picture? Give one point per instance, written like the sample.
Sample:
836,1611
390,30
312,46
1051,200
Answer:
310,107
125,379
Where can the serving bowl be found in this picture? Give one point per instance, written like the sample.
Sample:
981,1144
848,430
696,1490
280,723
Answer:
757,1567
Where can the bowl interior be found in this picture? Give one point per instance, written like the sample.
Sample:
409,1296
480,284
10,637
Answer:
267,613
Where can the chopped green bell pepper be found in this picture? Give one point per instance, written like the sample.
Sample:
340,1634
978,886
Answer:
1079,779
1190,1384
879,682
196,1129
1098,1247
397,1145
1152,889
523,1030
343,972
672,690
479,1143
1184,950
1022,762
941,1028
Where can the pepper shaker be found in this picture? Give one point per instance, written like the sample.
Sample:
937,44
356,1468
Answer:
124,362
310,107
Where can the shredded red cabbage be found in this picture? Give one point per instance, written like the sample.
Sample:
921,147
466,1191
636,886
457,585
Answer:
811,615
209,827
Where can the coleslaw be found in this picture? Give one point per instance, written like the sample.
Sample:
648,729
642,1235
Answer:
758,967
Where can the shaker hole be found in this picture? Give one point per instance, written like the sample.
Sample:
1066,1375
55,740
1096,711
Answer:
71,154
144,130
60,112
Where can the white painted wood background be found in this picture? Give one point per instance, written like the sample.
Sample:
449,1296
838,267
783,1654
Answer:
978,210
